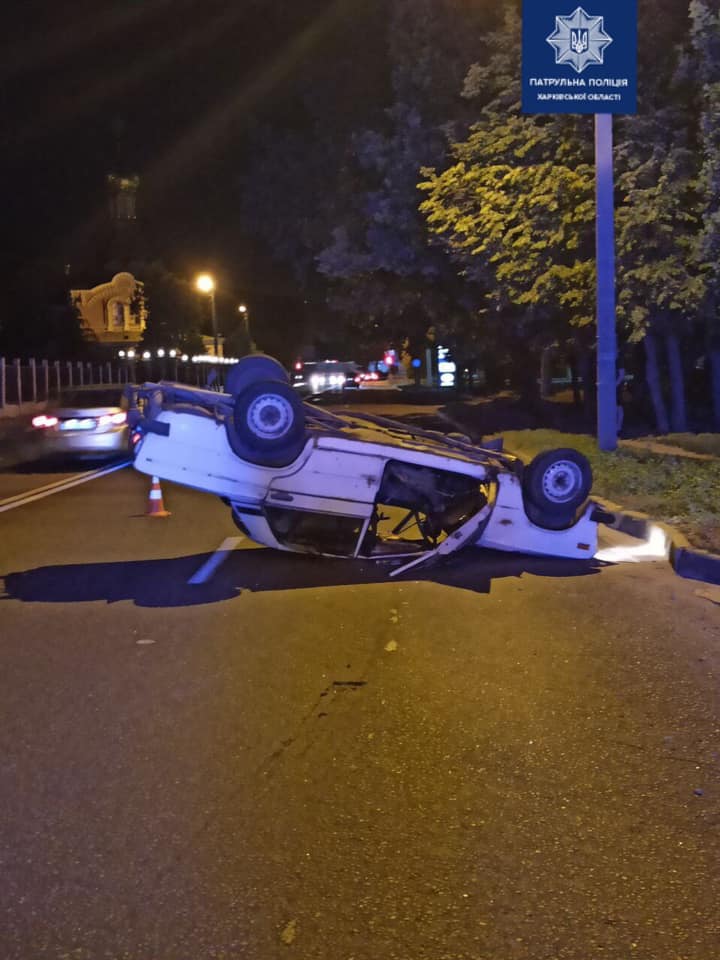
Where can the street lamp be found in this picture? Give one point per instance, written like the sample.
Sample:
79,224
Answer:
245,314
206,284
243,311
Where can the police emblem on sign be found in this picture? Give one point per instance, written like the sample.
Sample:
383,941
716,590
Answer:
579,40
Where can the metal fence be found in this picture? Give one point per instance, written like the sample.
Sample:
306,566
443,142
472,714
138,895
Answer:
29,382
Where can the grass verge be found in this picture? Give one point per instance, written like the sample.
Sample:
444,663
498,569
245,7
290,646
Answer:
678,490
706,443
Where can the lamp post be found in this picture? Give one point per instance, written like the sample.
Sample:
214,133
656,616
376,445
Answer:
243,311
245,315
206,284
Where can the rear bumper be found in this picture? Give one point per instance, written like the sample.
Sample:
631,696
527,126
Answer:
112,441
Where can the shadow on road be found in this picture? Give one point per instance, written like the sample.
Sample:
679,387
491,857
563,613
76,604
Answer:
163,583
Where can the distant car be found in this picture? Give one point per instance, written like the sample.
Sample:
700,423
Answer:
86,421
375,380
313,377
303,479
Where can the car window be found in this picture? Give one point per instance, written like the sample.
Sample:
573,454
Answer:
324,532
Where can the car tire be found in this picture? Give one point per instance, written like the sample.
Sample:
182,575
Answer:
268,424
547,520
557,482
251,369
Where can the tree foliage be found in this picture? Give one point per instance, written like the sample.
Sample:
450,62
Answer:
705,39
379,263
38,318
514,212
516,209
436,204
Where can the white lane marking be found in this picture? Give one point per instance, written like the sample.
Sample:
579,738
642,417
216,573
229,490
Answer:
20,499
212,563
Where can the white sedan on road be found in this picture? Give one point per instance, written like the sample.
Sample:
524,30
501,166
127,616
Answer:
355,485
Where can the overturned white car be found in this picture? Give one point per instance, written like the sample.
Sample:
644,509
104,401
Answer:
303,479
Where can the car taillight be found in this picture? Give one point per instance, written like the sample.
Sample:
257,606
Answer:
137,437
42,421
112,418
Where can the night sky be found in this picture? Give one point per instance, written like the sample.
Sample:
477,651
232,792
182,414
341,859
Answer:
167,89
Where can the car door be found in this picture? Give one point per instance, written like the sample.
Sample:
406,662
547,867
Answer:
464,535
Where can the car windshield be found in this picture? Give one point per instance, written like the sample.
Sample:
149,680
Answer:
89,398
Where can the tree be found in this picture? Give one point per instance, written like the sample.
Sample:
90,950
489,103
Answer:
657,217
515,211
382,270
174,319
293,189
658,286
39,318
705,35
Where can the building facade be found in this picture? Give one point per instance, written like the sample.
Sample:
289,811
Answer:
114,313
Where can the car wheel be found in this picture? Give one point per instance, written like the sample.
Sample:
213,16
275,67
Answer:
269,423
557,481
251,369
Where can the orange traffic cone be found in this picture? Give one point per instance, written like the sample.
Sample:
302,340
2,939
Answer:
155,501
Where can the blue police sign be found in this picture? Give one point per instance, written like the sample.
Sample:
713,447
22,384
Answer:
577,60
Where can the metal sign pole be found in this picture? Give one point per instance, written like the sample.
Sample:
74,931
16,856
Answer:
588,64
605,259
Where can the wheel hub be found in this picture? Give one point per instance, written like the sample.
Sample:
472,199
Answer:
269,416
561,481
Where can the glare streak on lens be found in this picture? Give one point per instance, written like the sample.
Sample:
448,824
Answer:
656,547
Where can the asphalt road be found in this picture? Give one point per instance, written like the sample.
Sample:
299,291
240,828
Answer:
496,758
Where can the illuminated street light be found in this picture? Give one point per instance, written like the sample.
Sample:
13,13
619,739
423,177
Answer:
206,284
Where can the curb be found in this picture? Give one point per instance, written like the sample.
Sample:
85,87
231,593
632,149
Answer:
695,564
685,560
634,524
